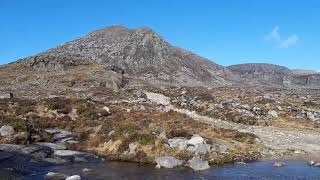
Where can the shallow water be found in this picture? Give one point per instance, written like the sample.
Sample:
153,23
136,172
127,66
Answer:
123,171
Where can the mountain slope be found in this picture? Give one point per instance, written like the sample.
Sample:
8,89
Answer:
140,53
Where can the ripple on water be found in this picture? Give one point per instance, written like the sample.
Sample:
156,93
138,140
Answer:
124,171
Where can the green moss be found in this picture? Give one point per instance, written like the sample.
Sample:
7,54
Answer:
125,129
87,110
147,139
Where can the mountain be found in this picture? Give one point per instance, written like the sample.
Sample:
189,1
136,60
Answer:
140,53
117,57
260,73
270,75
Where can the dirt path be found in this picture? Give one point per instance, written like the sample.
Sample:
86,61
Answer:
274,139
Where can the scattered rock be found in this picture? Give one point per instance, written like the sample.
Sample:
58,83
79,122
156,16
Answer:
6,130
168,162
74,177
198,164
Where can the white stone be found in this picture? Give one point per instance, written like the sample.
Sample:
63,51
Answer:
168,162
6,131
198,164
105,108
63,153
53,175
180,143
273,113
74,177
196,139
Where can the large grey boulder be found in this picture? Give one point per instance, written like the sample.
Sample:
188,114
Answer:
196,139
180,143
6,131
198,164
195,145
168,162
75,156
198,145
74,177
12,148
55,176
34,151
199,148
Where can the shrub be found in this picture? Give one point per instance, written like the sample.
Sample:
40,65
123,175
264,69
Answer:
146,139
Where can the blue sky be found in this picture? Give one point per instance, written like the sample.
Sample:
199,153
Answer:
284,32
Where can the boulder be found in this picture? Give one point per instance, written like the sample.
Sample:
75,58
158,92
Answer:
6,131
316,165
56,161
311,163
59,134
168,162
11,148
55,176
74,177
198,164
54,146
278,164
196,139
180,143
199,148
75,156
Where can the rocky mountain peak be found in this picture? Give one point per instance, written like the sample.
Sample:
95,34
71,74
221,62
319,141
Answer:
141,53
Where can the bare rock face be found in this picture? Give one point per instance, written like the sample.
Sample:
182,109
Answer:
310,80
269,74
260,73
140,53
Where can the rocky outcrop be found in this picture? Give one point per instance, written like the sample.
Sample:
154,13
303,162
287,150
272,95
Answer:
260,73
270,74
